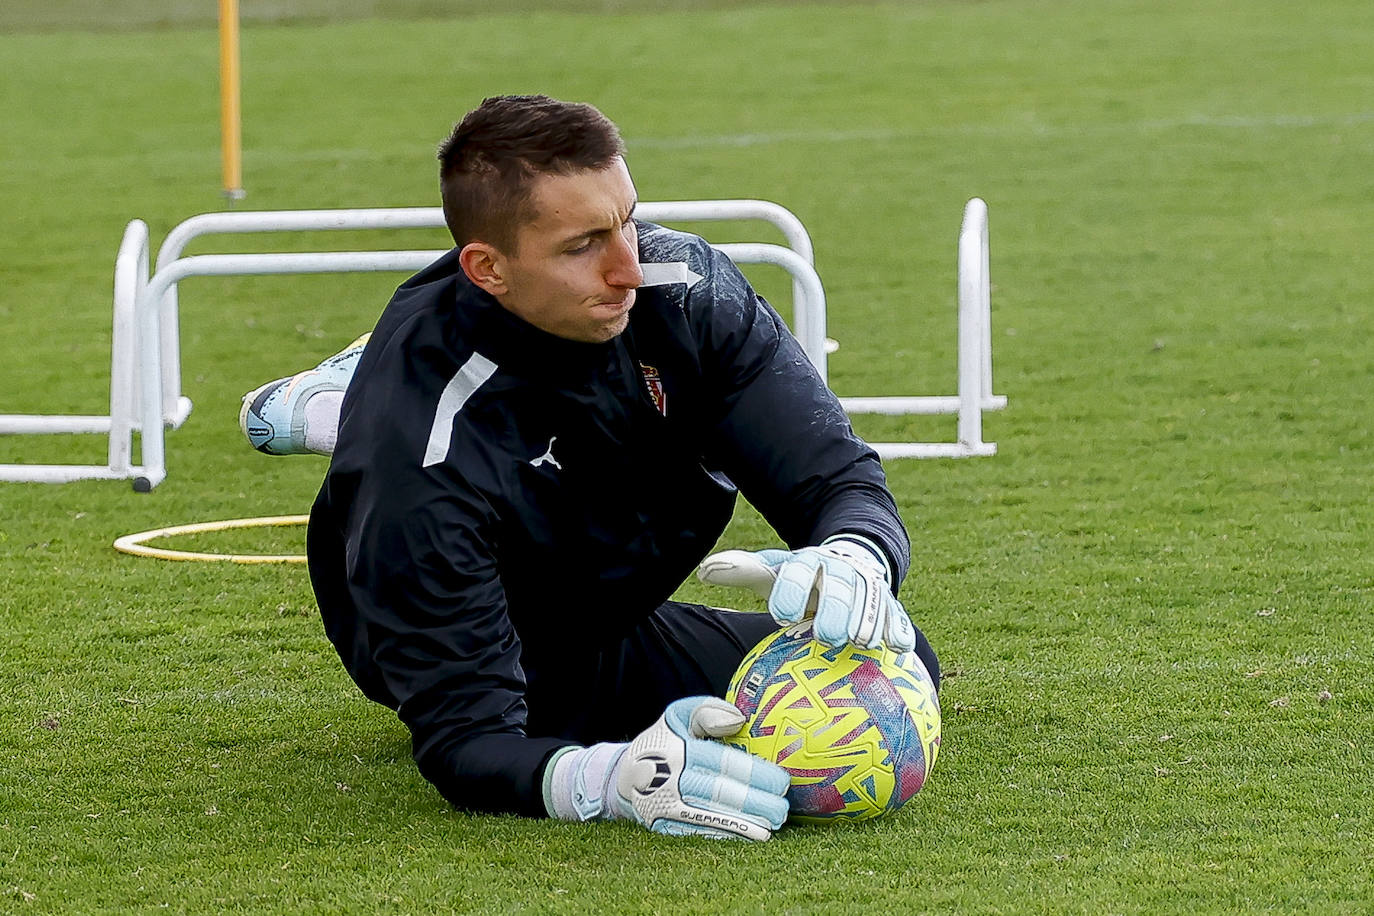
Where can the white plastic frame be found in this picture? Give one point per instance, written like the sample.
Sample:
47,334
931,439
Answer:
145,373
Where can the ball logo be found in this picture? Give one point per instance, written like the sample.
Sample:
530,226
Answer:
662,773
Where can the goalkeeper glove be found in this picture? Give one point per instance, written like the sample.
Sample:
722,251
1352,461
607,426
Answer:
841,584
672,778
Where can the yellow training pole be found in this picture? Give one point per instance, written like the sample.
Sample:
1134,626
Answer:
231,141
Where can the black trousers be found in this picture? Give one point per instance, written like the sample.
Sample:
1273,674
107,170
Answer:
680,650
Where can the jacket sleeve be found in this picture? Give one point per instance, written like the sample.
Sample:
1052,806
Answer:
779,433
407,583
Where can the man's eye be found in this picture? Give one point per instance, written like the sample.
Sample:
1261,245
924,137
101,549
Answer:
585,246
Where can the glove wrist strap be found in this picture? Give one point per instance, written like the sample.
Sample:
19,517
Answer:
577,782
842,543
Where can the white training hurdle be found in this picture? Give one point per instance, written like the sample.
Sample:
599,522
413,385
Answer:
145,370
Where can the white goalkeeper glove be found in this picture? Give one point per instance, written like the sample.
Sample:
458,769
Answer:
673,779
841,583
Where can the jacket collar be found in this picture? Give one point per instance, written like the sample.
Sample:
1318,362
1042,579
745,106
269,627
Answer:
480,323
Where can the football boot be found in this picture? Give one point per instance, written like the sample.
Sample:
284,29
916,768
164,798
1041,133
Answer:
273,416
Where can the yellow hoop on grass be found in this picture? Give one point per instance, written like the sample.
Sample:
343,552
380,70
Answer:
134,543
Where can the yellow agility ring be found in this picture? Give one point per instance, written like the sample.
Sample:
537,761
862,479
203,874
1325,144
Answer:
134,543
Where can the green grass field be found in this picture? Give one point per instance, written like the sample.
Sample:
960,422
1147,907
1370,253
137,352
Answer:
1155,605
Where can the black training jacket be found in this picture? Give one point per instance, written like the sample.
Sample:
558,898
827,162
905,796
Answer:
500,494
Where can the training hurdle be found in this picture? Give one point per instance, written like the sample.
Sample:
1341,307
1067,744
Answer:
145,373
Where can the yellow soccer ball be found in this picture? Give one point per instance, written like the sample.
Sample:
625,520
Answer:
857,729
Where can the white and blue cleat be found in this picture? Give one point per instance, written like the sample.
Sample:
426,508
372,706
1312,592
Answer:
274,416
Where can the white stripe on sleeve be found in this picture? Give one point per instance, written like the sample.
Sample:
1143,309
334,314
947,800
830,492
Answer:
465,381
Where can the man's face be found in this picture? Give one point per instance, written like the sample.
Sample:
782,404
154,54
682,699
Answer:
576,264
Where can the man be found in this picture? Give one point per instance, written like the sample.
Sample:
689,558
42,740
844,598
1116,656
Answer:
541,438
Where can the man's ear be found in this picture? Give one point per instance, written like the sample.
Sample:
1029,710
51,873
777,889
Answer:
484,266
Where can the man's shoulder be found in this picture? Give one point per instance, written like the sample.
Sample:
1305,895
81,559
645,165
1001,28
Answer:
687,271
413,354
661,245
426,291
441,271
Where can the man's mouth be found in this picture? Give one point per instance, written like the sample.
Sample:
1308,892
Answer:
622,304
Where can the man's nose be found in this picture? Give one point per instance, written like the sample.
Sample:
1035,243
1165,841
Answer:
622,269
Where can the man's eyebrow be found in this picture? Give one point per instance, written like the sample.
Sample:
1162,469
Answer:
592,233
580,236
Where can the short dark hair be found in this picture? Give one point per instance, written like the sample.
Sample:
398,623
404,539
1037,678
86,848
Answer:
489,160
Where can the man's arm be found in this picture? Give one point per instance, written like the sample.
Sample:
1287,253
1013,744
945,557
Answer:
780,434
411,601
442,652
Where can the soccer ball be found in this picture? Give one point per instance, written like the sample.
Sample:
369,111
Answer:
857,729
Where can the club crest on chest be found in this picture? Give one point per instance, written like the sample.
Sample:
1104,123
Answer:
654,382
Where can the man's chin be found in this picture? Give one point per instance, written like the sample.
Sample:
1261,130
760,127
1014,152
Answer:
614,329
618,319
